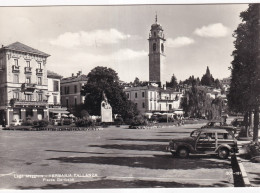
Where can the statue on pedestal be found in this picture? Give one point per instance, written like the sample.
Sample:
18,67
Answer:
106,110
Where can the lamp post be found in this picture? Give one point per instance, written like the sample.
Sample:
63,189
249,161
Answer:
47,106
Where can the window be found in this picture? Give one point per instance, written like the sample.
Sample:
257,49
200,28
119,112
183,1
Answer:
170,106
151,95
55,101
1,63
162,47
154,46
39,80
28,97
154,34
16,78
136,95
39,65
28,80
28,64
143,94
16,95
16,62
67,103
75,102
128,95
61,90
40,97
55,86
75,88
143,105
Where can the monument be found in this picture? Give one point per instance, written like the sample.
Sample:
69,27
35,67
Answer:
106,110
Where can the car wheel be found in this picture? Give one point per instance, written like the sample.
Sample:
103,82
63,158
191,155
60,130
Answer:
183,152
223,153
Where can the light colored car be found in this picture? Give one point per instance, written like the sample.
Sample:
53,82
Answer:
205,141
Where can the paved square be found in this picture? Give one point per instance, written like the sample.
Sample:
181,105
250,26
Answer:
115,157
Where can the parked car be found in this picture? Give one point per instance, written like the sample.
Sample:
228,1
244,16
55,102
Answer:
205,141
219,125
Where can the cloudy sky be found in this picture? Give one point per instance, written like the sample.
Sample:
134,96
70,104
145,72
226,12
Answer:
82,37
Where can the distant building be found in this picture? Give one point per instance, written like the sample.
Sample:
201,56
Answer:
155,97
70,90
54,99
23,83
150,99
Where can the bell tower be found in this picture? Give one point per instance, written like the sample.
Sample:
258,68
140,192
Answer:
156,53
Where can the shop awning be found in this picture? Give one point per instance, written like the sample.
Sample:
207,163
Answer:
62,111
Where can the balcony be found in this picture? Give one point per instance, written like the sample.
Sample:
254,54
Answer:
15,69
20,102
39,71
28,87
27,70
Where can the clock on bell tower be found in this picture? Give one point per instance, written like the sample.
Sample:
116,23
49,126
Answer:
156,53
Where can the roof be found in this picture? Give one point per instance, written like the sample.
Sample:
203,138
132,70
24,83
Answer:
51,74
78,78
17,46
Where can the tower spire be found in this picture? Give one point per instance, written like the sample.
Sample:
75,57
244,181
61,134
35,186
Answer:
156,17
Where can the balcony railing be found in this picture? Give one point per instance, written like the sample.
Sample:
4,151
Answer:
28,87
27,70
39,71
19,102
15,68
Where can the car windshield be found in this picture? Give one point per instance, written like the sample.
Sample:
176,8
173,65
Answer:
194,133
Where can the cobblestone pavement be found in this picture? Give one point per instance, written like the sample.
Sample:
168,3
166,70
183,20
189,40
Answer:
115,157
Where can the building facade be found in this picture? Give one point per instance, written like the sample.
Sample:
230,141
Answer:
150,99
23,83
54,98
70,90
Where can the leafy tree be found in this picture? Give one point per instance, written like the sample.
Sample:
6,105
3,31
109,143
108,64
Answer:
137,82
197,103
103,79
173,83
207,79
244,93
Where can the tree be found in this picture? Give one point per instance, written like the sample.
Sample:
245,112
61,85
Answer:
244,95
207,79
173,83
197,103
103,79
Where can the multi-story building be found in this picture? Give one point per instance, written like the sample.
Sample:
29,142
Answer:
23,83
54,99
70,90
155,97
149,99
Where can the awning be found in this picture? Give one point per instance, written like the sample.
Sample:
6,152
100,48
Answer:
58,111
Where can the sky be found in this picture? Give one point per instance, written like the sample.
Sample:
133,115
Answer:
83,37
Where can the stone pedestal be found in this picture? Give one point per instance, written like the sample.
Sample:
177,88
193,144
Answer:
106,112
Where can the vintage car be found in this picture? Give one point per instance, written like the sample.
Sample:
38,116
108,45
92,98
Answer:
219,125
205,141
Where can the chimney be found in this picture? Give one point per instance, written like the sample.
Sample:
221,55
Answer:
2,45
72,75
80,72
